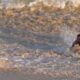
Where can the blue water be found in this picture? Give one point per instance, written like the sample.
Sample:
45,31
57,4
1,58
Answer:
43,42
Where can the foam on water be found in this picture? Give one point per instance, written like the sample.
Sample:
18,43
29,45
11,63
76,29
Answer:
56,3
13,45
68,35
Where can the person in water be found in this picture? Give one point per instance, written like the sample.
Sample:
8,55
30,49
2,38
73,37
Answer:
77,41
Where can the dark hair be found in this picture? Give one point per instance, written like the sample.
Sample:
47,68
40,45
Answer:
78,35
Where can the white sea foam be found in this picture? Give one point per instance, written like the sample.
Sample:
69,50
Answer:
56,3
68,35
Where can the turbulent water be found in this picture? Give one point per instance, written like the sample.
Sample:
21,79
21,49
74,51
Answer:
19,3
39,37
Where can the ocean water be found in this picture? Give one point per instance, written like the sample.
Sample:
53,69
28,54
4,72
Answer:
58,3
40,40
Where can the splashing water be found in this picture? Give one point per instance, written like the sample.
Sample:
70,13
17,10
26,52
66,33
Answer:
56,3
68,35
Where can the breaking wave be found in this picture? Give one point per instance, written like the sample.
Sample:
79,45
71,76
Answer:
55,3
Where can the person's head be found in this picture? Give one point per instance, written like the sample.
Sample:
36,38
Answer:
78,36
